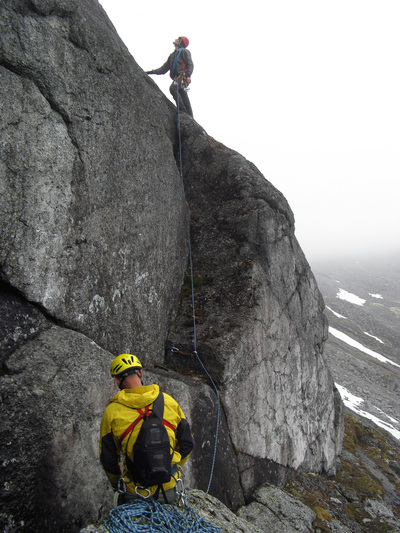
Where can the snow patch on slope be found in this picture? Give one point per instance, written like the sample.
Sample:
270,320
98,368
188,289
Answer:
336,314
373,336
351,342
353,402
350,297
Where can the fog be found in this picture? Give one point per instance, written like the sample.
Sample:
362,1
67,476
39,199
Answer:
308,91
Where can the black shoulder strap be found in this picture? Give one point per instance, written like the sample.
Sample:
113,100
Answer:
158,406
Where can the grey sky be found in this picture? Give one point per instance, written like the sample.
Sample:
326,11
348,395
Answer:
308,91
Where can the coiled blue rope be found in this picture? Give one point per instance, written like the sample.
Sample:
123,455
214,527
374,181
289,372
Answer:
150,515
193,306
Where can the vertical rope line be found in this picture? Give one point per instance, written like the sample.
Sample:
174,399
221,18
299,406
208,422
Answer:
193,306
180,148
217,428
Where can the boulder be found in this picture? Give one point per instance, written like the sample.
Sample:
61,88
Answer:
94,223
276,511
93,253
53,392
212,510
261,328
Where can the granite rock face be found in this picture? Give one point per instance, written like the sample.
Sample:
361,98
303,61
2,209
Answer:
275,511
91,195
93,251
54,390
261,325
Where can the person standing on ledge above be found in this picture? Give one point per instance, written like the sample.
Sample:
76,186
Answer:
122,433
180,67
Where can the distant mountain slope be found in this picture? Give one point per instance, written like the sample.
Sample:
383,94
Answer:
363,349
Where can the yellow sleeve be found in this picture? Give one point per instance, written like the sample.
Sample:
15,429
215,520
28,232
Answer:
109,450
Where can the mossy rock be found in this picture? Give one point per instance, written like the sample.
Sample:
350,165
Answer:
368,458
363,482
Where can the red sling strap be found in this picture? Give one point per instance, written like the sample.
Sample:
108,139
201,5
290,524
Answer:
170,426
142,415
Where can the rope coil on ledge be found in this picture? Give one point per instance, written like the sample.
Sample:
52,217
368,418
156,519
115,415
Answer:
150,515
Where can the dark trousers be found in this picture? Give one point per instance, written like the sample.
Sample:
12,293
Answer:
177,90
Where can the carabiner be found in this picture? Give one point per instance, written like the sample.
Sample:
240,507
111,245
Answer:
141,495
180,492
121,482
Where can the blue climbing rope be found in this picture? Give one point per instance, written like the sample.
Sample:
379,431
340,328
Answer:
218,415
193,306
144,515
150,515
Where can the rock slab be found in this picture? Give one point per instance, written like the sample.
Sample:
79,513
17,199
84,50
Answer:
93,250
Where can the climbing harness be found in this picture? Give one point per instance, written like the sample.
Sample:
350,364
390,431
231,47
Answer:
149,515
181,82
193,309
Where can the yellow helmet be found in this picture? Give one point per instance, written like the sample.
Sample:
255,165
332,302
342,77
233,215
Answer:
123,363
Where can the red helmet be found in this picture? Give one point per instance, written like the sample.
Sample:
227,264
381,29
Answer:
185,41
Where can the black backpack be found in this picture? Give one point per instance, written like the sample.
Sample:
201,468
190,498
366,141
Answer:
150,463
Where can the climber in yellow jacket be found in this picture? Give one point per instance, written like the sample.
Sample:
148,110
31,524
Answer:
120,426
